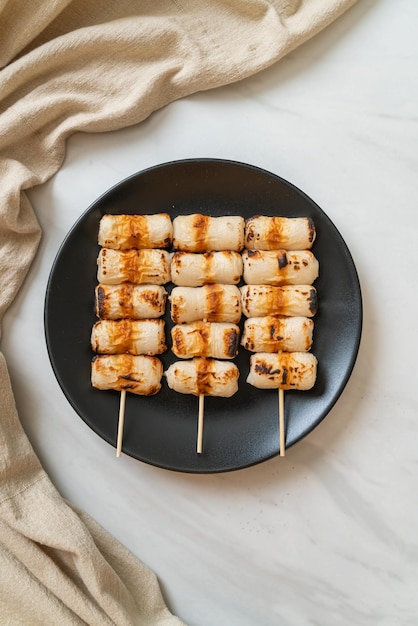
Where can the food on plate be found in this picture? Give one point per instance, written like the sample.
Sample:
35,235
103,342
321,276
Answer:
201,233
130,336
194,270
125,372
279,233
279,267
206,339
122,232
133,266
283,370
203,377
262,300
213,303
129,301
272,334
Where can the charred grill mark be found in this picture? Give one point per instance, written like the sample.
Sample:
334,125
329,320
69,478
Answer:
128,377
313,301
177,259
311,230
153,390
249,231
130,263
179,345
231,339
214,297
200,224
208,267
253,253
204,377
103,255
274,232
100,302
152,298
284,376
265,370
282,259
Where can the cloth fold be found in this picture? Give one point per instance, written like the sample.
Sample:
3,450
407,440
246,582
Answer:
70,66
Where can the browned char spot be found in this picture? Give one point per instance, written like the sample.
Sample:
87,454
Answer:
313,301
200,225
281,259
214,296
311,229
100,302
231,339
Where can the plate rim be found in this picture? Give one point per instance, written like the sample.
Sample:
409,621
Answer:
220,162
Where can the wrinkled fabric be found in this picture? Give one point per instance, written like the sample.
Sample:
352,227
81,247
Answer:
69,66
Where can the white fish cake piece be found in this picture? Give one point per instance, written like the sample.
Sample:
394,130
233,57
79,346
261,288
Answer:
140,375
200,376
274,334
213,303
122,232
262,300
279,267
202,233
206,339
283,370
129,336
130,301
191,269
146,266
279,233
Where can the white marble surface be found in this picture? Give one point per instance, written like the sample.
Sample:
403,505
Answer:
329,535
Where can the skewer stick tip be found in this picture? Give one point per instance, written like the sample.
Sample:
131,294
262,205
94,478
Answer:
121,422
281,423
199,445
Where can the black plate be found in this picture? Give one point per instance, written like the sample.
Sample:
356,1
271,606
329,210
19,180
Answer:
238,431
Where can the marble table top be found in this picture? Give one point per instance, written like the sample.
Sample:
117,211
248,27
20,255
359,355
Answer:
328,534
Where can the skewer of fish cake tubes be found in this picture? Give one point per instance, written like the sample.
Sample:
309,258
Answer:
206,306
132,267
278,301
205,327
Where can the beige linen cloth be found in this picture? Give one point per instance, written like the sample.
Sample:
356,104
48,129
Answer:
75,65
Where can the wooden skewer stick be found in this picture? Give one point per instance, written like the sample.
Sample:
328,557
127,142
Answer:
199,445
200,424
281,423
121,422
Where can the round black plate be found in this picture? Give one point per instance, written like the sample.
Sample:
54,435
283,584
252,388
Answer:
238,431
